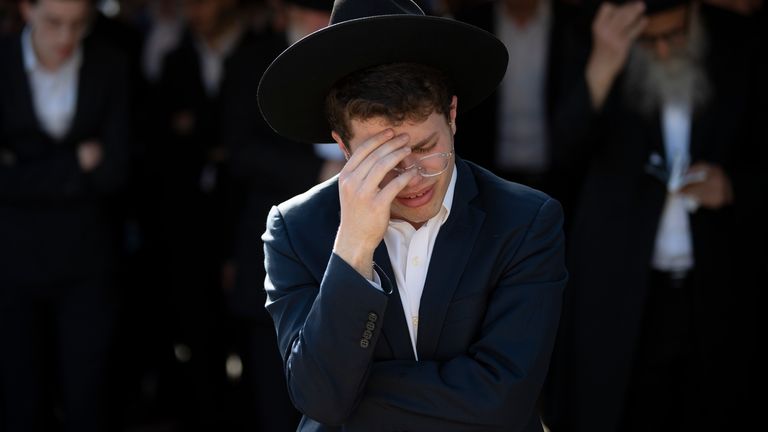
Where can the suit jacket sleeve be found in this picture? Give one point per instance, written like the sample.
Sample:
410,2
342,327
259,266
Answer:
319,326
54,178
493,386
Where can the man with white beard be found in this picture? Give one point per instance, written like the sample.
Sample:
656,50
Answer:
656,332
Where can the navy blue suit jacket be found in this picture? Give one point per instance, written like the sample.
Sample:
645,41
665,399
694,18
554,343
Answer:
488,315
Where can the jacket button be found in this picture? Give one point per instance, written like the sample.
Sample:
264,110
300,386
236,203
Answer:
364,343
370,326
367,334
372,317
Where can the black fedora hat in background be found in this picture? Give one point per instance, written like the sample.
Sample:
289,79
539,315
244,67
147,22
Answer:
366,33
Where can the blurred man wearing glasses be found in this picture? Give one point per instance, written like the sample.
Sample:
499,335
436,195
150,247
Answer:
63,154
656,326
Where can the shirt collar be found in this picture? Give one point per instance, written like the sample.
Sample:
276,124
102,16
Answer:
225,45
31,63
448,200
541,17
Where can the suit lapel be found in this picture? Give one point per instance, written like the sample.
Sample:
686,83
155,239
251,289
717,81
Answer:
395,330
86,94
24,92
449,259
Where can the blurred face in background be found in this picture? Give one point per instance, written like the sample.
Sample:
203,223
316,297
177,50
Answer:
303,21
58,27
208,18
666,64
666,33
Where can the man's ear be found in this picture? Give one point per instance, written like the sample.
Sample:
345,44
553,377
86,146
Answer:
341,144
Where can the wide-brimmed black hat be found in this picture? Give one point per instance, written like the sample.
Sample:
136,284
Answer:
366,33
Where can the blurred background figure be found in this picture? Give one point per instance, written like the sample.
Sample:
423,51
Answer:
64,155
166,26
302,18
516,119
191,224
10,19
658,323
266,169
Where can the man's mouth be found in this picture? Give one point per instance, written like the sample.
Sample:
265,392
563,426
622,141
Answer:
416,199
415,195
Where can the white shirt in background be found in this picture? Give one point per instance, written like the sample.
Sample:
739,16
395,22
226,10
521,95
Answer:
163,37
522,125
673,250
212,59
54,93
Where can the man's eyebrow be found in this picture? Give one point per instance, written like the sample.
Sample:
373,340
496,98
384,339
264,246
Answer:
425,141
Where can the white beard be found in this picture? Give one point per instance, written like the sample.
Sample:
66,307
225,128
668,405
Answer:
682,78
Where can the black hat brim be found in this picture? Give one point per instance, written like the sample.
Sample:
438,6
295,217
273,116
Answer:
292,91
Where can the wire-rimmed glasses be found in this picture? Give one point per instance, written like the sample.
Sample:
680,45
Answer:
429,166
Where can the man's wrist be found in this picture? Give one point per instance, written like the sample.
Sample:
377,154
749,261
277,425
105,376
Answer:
600,77
359,258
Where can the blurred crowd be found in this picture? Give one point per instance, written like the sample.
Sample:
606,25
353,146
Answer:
136,174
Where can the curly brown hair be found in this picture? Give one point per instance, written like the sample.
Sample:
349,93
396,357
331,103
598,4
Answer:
396,91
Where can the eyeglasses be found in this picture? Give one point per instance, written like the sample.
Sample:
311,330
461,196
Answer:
671,37
429,166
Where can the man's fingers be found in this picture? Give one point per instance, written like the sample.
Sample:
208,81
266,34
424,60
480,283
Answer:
604,14
384,151
384,165
637,28
627,16
390,191
367,147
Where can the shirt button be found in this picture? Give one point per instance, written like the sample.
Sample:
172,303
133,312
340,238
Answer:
416,261
372,317
364,343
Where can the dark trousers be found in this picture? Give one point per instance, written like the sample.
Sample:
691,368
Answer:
660,391
686,377
55,340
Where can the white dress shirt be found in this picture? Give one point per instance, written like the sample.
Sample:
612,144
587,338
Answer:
163,37
410,251
212,59
673,251
522,126
54,93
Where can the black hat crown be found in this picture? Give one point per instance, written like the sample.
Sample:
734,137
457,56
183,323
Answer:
366,33
345,10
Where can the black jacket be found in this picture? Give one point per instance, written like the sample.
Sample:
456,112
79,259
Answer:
55,220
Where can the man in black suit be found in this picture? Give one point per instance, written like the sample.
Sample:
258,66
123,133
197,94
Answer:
657,319
64,152
414,291
257,164
194,226
516,119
